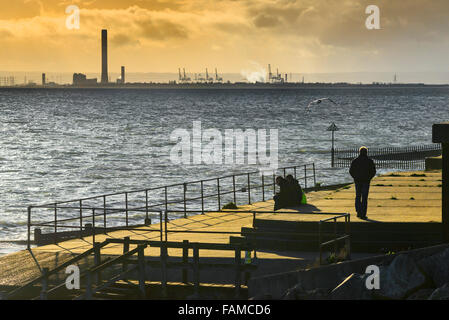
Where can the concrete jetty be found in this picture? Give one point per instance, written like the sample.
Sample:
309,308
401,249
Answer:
402,197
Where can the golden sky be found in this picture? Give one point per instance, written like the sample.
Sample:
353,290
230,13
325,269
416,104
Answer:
232,35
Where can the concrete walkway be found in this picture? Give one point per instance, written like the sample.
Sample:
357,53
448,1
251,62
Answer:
399,197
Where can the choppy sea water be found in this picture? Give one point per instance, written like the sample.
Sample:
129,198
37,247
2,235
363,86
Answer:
65,144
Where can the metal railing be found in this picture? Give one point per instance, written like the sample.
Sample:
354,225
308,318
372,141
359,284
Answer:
345,237
91,280
118,210
390,157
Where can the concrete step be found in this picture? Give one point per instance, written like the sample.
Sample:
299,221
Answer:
312,226
373,246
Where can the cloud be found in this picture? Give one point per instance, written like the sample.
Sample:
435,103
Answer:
19,9
309,35
122,39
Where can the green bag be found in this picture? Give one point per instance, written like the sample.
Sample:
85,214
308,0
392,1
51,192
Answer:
304,199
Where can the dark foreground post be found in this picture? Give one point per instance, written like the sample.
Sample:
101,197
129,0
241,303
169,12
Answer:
440,134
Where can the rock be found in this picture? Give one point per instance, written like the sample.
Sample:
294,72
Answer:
436,267
318,294
298,293
441,293
295,293
261,297
401,278
352,288
422,294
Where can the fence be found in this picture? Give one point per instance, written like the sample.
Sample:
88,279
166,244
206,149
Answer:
391,157
115,211
93,281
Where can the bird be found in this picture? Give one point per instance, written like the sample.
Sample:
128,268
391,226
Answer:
318,101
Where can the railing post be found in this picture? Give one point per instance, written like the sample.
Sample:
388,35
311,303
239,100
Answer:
202,198
166,224
305,176
274,184
146,204
218,194
185,260
249,189
164,268
81,219
93,226
97,261
161,223
142,271
126,207
29,229
238,278
196,269
263,188
166,198
348,232
126,241
314,176
233,189
43,294
185,203
104,213
56,224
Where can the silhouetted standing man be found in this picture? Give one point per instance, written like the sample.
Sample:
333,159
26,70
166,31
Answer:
362,170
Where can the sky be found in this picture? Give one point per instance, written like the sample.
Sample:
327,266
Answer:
295,36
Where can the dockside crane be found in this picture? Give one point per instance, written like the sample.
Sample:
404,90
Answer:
217,78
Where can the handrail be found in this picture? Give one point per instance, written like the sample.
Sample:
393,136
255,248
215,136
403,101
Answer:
77,209
167,186
336,238
57,269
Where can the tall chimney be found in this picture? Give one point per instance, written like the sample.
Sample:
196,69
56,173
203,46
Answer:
104,56
123,75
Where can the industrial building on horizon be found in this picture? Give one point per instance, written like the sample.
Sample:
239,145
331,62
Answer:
104,57
80,79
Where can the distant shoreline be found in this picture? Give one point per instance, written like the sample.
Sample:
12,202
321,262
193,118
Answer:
264,86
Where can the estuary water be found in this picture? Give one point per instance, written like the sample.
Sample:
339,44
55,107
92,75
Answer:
63,144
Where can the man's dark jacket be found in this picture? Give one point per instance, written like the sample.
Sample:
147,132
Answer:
362,169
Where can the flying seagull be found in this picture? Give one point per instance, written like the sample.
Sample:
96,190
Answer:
318,101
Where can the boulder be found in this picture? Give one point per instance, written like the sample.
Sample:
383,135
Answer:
436,267
261,297
298,293
295,293
442,293
352,288
318,294
401,278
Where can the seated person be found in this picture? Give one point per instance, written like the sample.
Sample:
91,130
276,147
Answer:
294,191
281,199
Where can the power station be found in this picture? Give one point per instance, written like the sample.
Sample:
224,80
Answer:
104,56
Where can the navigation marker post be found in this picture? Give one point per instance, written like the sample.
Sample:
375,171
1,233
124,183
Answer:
332,128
